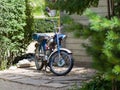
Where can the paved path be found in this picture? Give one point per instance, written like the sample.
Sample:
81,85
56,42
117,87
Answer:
31,79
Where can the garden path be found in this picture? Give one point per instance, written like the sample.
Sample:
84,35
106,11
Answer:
31,79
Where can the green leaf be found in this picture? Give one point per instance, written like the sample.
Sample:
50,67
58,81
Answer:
116,69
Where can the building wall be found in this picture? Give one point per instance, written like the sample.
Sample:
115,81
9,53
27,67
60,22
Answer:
75,45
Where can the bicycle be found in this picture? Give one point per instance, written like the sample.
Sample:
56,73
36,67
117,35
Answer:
49,52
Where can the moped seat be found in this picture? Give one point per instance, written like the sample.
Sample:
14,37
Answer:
41,36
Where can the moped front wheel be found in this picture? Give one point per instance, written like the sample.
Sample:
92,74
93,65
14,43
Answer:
61,63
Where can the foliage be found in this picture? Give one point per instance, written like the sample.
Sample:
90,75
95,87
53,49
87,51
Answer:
12,21
104,47
42,26
66,19
71,26
117,8
50,4
75,87
74,6
103,35
15,29
97,83
3,65
38,7
29,27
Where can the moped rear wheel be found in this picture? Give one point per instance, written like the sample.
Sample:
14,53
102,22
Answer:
61,64
38,58
38,63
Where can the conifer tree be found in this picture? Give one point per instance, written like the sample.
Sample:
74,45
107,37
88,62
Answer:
104,36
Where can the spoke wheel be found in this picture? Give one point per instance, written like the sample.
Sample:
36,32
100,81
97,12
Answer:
38,58
61,64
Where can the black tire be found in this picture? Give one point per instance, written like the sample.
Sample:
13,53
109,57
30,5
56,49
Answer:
39,59
63,65
38,63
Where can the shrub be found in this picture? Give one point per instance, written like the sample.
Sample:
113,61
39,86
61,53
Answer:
104,47
97,83
15,28
42,26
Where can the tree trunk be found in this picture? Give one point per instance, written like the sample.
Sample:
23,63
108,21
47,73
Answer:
114,84
108,7
112,7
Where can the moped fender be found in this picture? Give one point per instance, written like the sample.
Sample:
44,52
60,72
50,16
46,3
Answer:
64,49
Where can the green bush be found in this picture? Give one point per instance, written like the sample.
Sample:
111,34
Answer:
97,83
38,7
15,29
42,26
104,47
29,27
100,83
12,22
75,87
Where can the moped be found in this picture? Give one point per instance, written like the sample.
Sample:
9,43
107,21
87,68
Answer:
50,53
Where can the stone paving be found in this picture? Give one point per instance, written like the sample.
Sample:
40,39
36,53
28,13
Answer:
31,79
